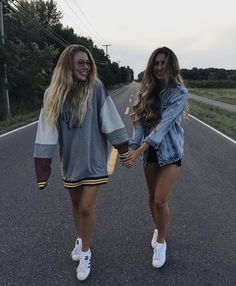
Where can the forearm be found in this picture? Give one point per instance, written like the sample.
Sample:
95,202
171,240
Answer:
142,148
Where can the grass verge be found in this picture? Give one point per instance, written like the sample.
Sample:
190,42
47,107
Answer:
227,95
222,120
18,121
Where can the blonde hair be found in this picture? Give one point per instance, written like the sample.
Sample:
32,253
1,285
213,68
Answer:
144,109
64,86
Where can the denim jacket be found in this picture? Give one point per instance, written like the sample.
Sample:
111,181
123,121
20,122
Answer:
167,137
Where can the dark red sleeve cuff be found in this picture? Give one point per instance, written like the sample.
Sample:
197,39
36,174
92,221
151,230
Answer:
122,148
42,170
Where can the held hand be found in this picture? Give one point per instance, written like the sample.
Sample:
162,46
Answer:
125,157
129,160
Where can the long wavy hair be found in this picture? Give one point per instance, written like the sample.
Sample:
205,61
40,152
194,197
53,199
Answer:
64,86
148,100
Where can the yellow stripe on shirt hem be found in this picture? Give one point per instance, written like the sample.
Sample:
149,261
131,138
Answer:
85,182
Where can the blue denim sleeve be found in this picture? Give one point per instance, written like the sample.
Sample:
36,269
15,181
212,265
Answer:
173,110
138,133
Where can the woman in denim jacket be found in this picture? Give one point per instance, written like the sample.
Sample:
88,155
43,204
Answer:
158,137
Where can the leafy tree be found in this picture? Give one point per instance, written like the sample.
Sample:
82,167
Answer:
35,38
140,76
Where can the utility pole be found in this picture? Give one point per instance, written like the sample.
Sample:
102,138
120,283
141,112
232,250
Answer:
4,85
107,49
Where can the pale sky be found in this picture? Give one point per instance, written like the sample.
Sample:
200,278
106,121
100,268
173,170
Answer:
202,33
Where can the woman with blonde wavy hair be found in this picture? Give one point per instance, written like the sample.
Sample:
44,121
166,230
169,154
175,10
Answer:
79,115
158,137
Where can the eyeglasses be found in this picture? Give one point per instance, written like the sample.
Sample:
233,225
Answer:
82,63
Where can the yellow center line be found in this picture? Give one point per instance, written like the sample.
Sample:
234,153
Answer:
112,161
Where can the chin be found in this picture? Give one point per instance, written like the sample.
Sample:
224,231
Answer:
82,78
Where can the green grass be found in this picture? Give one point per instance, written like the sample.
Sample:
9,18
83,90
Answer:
18,121
222,120
227,95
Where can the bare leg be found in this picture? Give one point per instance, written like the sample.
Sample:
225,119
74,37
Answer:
83,208
150,172
160,181
87,217
75,196
165,182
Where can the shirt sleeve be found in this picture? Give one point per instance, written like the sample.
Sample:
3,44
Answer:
112,124
45,144
168,117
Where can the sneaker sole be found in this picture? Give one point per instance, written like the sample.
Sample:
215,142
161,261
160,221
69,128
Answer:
82,278
159,266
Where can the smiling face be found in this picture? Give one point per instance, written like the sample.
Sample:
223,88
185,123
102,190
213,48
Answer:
81,66
159,66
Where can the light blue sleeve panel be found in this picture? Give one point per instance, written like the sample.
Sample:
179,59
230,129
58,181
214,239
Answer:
111,123
46,140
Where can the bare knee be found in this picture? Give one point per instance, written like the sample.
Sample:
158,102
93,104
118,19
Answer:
160,203
86,210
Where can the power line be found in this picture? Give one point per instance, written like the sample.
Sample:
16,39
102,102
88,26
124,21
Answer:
32,19
48,30
89,21
81,20
71,19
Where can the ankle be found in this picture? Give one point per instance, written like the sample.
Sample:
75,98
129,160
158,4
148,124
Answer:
86,251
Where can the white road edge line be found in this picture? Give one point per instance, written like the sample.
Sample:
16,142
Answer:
126,112
222,134
15,130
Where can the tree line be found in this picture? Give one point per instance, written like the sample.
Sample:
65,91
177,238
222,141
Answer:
206,78
34,40
209,77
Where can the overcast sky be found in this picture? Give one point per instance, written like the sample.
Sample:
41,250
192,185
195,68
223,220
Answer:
202,33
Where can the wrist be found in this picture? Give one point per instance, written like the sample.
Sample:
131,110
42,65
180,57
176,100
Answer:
124,155
143,148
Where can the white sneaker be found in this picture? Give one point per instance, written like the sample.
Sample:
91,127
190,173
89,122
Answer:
159,255
83,268
75,253
154,238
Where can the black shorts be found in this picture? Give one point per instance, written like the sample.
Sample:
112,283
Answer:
152,158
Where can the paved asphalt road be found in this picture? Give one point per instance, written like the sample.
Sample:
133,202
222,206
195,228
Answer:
37,231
